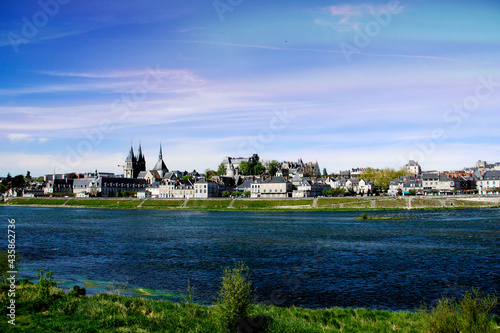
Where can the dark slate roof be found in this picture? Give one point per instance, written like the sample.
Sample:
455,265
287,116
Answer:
130,157
275,180
491,175
430,175
160,166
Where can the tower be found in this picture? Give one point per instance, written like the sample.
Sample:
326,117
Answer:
141,160
160,165
130,164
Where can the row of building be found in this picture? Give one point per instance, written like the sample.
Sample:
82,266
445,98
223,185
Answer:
292,179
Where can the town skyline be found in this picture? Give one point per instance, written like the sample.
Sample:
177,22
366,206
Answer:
119,169
372,84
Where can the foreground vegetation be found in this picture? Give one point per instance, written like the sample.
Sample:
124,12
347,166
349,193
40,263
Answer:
42,307
340,203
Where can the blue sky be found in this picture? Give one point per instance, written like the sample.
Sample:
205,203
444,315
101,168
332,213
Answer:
346,83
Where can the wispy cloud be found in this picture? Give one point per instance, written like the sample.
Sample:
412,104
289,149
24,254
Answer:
25,137
348,17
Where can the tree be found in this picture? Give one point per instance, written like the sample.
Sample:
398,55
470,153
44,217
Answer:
254,161
245,168
225,194
236,194
7,180
210,173
258,169
381,178
18,181
273,167
221,171
247,194
235,298
325,173
28,175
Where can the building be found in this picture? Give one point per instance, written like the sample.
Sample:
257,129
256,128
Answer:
489,183
107,186
58,187
413,168
134,164
205,189
232,165
275,187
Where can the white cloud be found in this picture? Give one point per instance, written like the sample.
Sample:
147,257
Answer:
19,137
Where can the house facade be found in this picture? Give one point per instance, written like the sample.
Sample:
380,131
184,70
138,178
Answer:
489,183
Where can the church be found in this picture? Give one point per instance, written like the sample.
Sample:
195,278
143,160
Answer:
135,165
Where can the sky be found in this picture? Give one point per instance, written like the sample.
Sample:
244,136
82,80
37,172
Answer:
345,83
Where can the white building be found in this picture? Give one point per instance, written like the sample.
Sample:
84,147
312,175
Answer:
206,189
489,183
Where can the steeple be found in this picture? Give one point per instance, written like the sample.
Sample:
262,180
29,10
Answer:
130,157
141,160
160,165
139,152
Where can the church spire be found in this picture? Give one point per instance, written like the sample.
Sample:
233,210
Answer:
130,157
160,165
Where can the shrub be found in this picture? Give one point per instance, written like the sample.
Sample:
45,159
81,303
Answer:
364,216
45,282
470,315
235,299
77,291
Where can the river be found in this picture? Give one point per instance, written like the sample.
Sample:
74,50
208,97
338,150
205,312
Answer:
309,259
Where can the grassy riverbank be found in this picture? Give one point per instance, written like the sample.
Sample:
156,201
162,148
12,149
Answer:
113,313
61,312
327,204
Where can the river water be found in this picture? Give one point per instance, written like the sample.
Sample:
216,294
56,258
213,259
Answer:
309,259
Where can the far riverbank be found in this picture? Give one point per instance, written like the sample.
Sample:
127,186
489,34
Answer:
320,204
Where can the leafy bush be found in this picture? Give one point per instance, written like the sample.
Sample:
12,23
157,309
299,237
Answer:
77,291
235,299
470,315
45,282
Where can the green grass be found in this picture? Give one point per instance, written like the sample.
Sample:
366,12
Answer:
420,202
208,204
104,203
113,313
162,204
392,203
270,203
37,201
343,203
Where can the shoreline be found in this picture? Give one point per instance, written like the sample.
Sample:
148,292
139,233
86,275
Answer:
247,204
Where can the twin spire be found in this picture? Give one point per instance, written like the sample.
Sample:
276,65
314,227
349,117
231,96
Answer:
135,164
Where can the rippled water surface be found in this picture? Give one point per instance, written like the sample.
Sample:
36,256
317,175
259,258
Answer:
310,259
